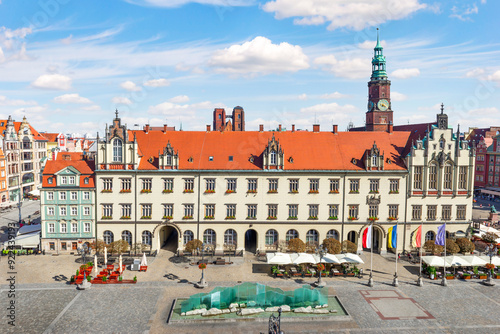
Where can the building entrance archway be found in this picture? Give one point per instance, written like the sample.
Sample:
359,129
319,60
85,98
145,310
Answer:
251,241
166,236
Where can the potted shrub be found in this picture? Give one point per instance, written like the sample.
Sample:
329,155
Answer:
135,279
465,276
450,276
432,272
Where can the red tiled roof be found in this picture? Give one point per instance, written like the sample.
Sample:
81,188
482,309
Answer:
86,168
17,126
309,150
51,137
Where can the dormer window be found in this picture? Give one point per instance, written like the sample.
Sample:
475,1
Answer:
169,160
374,160
117,150
272,158
441,144
50,180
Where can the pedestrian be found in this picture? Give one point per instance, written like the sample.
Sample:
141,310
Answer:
399,256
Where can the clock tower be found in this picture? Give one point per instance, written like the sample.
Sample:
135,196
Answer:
379,114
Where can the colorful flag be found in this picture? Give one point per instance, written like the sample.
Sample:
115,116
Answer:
392,236
367,237
441,235
416,238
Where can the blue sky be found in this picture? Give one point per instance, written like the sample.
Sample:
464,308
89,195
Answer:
67,64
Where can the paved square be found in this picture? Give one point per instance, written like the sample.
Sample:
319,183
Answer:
390,305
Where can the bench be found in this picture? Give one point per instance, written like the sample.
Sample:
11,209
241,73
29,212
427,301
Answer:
143,268
220,261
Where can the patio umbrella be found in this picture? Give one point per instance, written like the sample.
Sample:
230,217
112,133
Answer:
495,260
144,262
95,265
327,258
105,255
476,260
303,258
457,261
349,258
120,264
435,261
278,258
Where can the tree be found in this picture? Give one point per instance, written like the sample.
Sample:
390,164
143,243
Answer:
193,245
119,246
282,246
99,247
296,245
431,247
489,237
311,246
349,246
466,246
332,245
452,247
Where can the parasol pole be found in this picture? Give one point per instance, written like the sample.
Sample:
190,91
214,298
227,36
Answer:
443,281
420,281
395,281
370,280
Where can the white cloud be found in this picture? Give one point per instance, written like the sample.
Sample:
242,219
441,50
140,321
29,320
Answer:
71,98
485,112
436,107
302,97
130,86
475,73
354,68
369,45
182,110
178,3
179,99
259,56
395,96
330,108
464,12
157,83
94,107
334,95
52,81
495,76
4,101
405,73
353,14
121,100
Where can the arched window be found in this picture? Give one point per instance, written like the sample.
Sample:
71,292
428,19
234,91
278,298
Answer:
117,150
273,158
271,237
146,238
433,176
230,237
312,236
291,234
447,177
209,237
429,236
188,236
108,237
127,236
332,234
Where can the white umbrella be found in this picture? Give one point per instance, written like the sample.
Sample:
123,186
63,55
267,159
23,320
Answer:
303,258
144,262
495,260
435,261
349,258
105,255
327,258
120,264
475,260
457,261
95,265
278,258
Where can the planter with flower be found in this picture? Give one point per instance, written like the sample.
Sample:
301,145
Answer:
230,191
313,191
321,269
230,217
372,219
313,218
272,218
333,218
106,191
188,191
333,192
167,191
272,191
146,191
167,217
187,217
392,218
251,191
393,192
450,276
292,218
373,191
209,217
354,192
124,191
294,191
125,217
210,191
352,218
466,276
146,217
107,217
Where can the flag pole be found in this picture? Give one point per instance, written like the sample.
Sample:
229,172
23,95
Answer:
443,281
370,280
420,281
395,281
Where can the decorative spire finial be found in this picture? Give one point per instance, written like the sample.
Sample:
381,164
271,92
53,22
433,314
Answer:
442,108
116,112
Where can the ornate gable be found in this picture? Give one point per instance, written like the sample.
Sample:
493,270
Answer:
168,159
273,155
374,159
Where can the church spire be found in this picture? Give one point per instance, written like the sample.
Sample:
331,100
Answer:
378,62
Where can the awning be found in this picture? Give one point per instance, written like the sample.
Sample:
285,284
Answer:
35,192
26,229
31,240
490,192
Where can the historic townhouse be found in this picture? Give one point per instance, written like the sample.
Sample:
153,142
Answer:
67,203
4,193
25,152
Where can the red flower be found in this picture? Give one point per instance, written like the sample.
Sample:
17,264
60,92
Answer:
202,266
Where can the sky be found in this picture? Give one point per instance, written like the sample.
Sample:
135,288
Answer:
67,65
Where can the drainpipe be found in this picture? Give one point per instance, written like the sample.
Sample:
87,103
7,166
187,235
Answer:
135,212
199,204
343,212
406,213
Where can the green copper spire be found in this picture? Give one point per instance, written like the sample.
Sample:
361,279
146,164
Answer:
378,62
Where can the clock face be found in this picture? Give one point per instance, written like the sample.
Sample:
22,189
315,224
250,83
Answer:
370,105
383,104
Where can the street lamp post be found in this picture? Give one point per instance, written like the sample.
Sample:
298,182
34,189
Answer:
321,251
491,251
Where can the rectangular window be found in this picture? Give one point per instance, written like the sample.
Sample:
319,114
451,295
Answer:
373,211
188,185
126,210
462,177
62,211
416,212
293,211
431,212
314,186
294,185
231,211
447,177
394,186
50,196
71,180
374,186
74,228
64,180
417,178
334,186
252,185
63,246
333,211
252,211
107,184
353,212
52,246
50,211
446,214
74,211
354,186
313,211
146,185
273,185
62,195
461,212
210,183
74,246
64,228
107,210
168,185
209,211
146,211
86,195
188,211
433,177
51,228
168,211
272,211
86,211
126,185
393,211
231,186
86,227
74,196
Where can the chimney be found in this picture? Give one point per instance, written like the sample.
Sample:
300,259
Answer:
315,127
146,128
261,127
208,127
164,128
279,128
293,127
335,128
391,128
